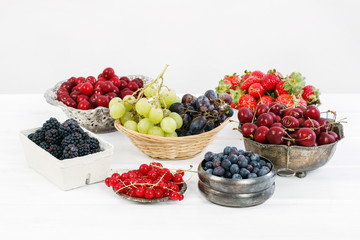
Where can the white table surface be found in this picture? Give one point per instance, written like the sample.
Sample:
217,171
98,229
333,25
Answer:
323,205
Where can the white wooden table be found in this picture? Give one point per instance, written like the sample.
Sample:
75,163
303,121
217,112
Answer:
323,205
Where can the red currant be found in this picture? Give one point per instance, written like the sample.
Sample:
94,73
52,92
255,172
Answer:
177,178
119,188
158,193
140,192
144,168
113,182
181,197
174,196
115,175
149,193
107,182
174,187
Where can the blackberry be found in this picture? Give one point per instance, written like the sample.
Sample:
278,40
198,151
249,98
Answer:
93,143
69,126
70,151
38,136
56,150
73,138
84,149
53,136
44,145
52,123
85,136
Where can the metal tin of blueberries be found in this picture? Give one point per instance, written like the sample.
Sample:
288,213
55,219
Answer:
236,192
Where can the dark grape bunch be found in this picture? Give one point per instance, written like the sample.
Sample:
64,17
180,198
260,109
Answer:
236,164
66,140
203,113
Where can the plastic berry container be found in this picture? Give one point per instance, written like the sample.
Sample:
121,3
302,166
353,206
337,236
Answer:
68,173
236,192
97,120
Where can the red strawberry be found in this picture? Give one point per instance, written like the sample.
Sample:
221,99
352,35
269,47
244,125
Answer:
265,100
258,74
248,82
279,88
270,80
247,101
256,90
310,94
232,79
291,100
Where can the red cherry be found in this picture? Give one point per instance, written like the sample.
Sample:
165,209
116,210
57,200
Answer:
277,124
276,108
79,80
245,115
290,122
324,123
312,124
102,101
133,86
336,137
126,79
325,138
274,116
275,135
260,109
295,112
260,134
149,193
81,98
301,121
115,80
86,88
306,137
91,79
108,73
84,105
248,129
265,119
312,112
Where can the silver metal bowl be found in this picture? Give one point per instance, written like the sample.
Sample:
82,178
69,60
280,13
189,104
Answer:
297,159
96,120
236,192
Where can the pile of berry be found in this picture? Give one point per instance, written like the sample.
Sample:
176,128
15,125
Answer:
202,114
88,93
256,87
277,124
151,181
66,140
236,164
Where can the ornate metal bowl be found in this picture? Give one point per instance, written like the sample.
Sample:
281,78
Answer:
236,192
96,120
296,158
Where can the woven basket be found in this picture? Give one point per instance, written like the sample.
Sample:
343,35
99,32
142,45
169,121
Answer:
170,148
96,120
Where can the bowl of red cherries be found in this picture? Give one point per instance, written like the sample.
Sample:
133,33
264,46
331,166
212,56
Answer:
86,99
296,140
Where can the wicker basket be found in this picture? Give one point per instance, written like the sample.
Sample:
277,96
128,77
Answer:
170,148
96,120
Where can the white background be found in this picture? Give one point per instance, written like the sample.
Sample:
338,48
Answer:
43,42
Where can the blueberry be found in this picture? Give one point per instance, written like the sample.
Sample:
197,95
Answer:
216,158
209,165
227,150
255,170
262,163
219,171
234,150
216,163
266,168
262,172
236,176
244,172
224,156
269,165
250,167
228,174
209,156
233,158
234,168
210,171
248,153
255,157
226,164
252,175
255,164
220,154
241,152
242,162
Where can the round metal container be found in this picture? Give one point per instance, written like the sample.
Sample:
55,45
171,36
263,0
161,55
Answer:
236,192
296,158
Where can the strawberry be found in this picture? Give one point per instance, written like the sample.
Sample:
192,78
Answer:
223,87
310,94
256,90
258,74
265,100
291,100
233,79
279,88
270,80
247,101
248,82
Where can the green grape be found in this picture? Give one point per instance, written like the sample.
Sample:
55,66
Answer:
132,125
168,125
156,115
127,117
178,119
156,131
167,112
168,97
114,100
117,110
150,90
178,99
173,134
143,107
144,125
129,101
